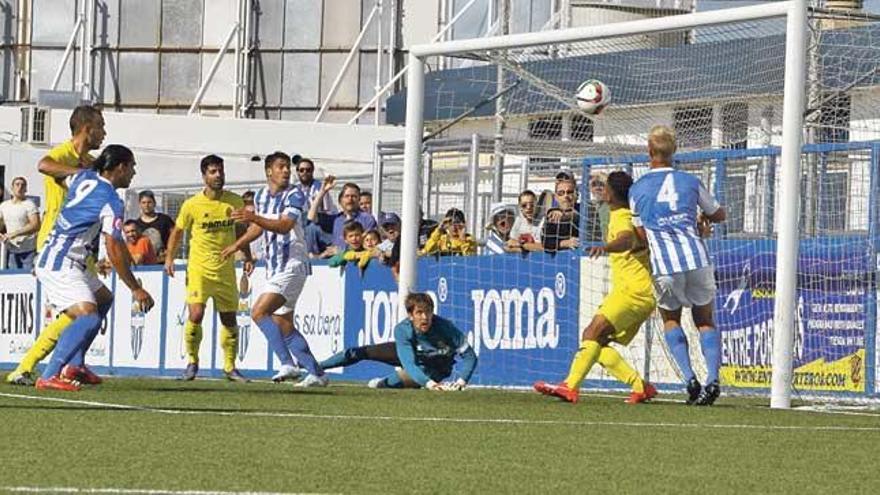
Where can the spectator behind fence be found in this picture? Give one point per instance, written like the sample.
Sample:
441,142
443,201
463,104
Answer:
258,246
139,246
366,201
602,211
324,236
501,221
154,225
310,187
525,235
561,224
355,249
450,238
21,220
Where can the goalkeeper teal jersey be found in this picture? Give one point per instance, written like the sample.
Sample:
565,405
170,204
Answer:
431,355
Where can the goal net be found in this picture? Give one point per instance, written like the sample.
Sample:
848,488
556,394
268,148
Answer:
720,87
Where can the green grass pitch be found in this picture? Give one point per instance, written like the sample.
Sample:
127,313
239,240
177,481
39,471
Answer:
129,435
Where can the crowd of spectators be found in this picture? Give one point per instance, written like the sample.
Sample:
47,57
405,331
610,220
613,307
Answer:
548,222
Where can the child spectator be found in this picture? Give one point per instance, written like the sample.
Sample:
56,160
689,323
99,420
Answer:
353,233
450,237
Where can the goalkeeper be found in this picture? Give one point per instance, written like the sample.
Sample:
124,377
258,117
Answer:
623,311
423,351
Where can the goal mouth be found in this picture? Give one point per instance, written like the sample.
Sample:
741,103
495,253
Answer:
785,137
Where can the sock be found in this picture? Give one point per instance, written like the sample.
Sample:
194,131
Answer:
678,345
392,380
229,344
710,343
70,340
276,341
44,344
344,358
79,357
614,363
584,359
192,338
300,350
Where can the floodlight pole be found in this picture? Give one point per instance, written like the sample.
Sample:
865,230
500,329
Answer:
785,307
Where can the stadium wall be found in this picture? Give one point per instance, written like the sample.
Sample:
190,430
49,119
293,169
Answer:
522,315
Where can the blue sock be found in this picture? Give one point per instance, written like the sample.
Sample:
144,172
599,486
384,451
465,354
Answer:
300,350
678,344
79,357
276,341
71,339
710,342
393,380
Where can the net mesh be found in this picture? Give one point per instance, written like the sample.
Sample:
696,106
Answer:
720,88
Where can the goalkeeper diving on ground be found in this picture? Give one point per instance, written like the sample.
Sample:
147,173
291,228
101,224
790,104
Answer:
423,353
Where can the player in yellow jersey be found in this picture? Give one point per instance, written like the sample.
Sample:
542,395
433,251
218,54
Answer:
62,161
623,311
208,274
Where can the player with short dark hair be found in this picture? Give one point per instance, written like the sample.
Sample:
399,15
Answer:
423,353
208,217
622,312
277,216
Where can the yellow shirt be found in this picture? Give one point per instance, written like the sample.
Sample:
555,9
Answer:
55,190
441,242
629,269
211,231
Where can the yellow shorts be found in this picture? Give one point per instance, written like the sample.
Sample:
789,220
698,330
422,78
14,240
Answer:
626,311
225,293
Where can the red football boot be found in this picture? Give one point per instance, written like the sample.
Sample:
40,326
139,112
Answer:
81,374
57,383
562,391
637,397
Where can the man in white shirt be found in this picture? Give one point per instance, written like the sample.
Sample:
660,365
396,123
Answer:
22,221
310,187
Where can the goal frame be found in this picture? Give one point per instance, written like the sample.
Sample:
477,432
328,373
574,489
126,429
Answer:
794,86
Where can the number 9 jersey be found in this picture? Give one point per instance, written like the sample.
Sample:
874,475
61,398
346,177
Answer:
665,201
92,207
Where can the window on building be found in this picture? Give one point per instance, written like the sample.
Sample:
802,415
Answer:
834,119
735,203
693,127
581,128
735,125
546,128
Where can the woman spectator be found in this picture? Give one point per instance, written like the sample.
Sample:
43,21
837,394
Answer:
499,230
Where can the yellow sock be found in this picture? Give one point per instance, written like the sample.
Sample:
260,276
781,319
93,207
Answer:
44,344
583,360
229,344
612,361
192,339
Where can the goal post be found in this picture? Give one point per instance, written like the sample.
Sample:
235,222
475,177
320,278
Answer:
795,14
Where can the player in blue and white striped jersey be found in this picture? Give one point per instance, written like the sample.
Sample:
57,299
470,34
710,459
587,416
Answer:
92,207
277,216
670,209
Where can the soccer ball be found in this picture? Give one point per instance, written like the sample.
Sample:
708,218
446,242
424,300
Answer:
593,96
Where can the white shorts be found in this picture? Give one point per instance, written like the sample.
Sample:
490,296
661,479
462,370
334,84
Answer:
68,286
289,285
693,288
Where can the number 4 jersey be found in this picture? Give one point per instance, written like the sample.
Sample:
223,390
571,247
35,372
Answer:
92,207
664,201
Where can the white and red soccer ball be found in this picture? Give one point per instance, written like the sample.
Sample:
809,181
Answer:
593,96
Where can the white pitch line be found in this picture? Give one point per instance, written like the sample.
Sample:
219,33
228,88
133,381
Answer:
430,419
58,489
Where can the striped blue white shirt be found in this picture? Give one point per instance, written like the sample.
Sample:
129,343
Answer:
282,252
91,207
494,244
665,201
